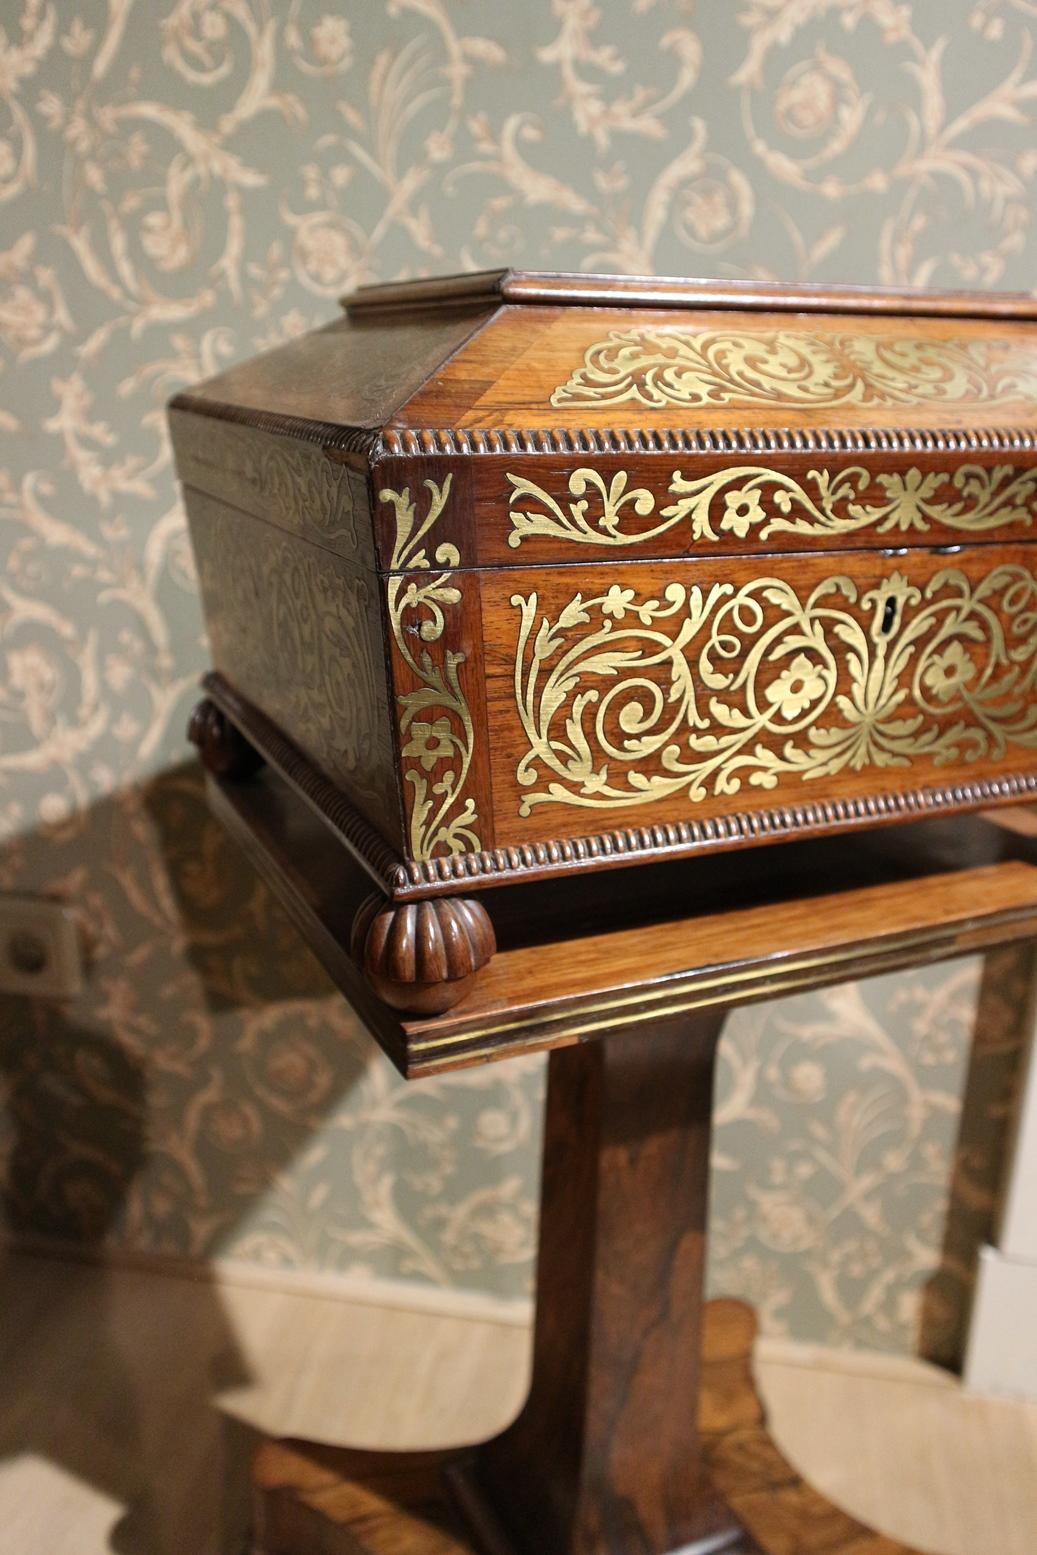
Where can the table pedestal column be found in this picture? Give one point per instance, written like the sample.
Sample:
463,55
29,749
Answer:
642,1433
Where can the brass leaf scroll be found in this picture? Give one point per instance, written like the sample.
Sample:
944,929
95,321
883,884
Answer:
436,735
785,367
970,498
625,700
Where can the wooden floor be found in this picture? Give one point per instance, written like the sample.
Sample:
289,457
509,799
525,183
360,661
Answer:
129,1402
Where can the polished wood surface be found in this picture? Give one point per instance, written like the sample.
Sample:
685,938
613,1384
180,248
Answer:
510,375
604,1455
574,962
661,291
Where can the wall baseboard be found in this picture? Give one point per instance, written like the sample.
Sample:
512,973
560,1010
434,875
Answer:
1002,1350
315,1284
471,1306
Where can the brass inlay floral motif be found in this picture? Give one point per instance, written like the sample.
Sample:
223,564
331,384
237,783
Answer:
626,700
793,368
742,498
435,720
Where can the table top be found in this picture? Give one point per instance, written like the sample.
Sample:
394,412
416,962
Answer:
584,958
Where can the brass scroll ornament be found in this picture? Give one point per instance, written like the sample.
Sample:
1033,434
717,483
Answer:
745,499
785,367
626,700
436,732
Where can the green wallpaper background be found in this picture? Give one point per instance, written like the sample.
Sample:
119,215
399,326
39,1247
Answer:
182,184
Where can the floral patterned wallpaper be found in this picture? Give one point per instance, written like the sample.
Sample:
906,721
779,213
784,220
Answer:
187,182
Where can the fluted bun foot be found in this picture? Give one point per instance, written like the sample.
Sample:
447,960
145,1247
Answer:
422,957
224,750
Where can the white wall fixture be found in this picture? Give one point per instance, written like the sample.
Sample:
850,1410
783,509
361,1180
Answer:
40,950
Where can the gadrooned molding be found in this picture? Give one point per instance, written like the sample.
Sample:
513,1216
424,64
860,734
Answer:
403,442
638,844
406,442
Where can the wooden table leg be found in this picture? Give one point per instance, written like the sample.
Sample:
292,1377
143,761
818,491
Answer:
642,1433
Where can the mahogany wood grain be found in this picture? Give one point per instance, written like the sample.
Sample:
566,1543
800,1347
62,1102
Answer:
509,373
603,1459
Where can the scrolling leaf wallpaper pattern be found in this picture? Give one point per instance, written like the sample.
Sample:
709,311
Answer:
185,183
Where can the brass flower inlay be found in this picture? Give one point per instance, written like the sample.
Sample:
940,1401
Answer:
791,367
436,733
625,699
742,499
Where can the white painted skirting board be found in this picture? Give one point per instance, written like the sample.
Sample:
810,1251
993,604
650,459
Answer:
1002,1353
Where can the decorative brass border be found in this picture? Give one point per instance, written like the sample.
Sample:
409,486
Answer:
770,501
437,738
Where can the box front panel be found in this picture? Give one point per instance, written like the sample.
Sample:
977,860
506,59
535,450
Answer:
651,693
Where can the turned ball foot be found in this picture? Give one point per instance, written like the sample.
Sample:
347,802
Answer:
224,750
422,957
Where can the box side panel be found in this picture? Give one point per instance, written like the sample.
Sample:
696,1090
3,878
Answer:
651,695
303,488
539,509
297,631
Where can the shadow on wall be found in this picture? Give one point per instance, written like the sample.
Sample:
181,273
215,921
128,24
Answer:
135,1122
86,1373
206,1055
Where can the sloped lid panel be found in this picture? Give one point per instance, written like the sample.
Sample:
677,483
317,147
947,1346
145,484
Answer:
351,374
727,372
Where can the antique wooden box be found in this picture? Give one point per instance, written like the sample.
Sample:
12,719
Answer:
517,574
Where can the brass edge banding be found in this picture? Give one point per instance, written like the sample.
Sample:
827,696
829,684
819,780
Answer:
678,994
463,442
